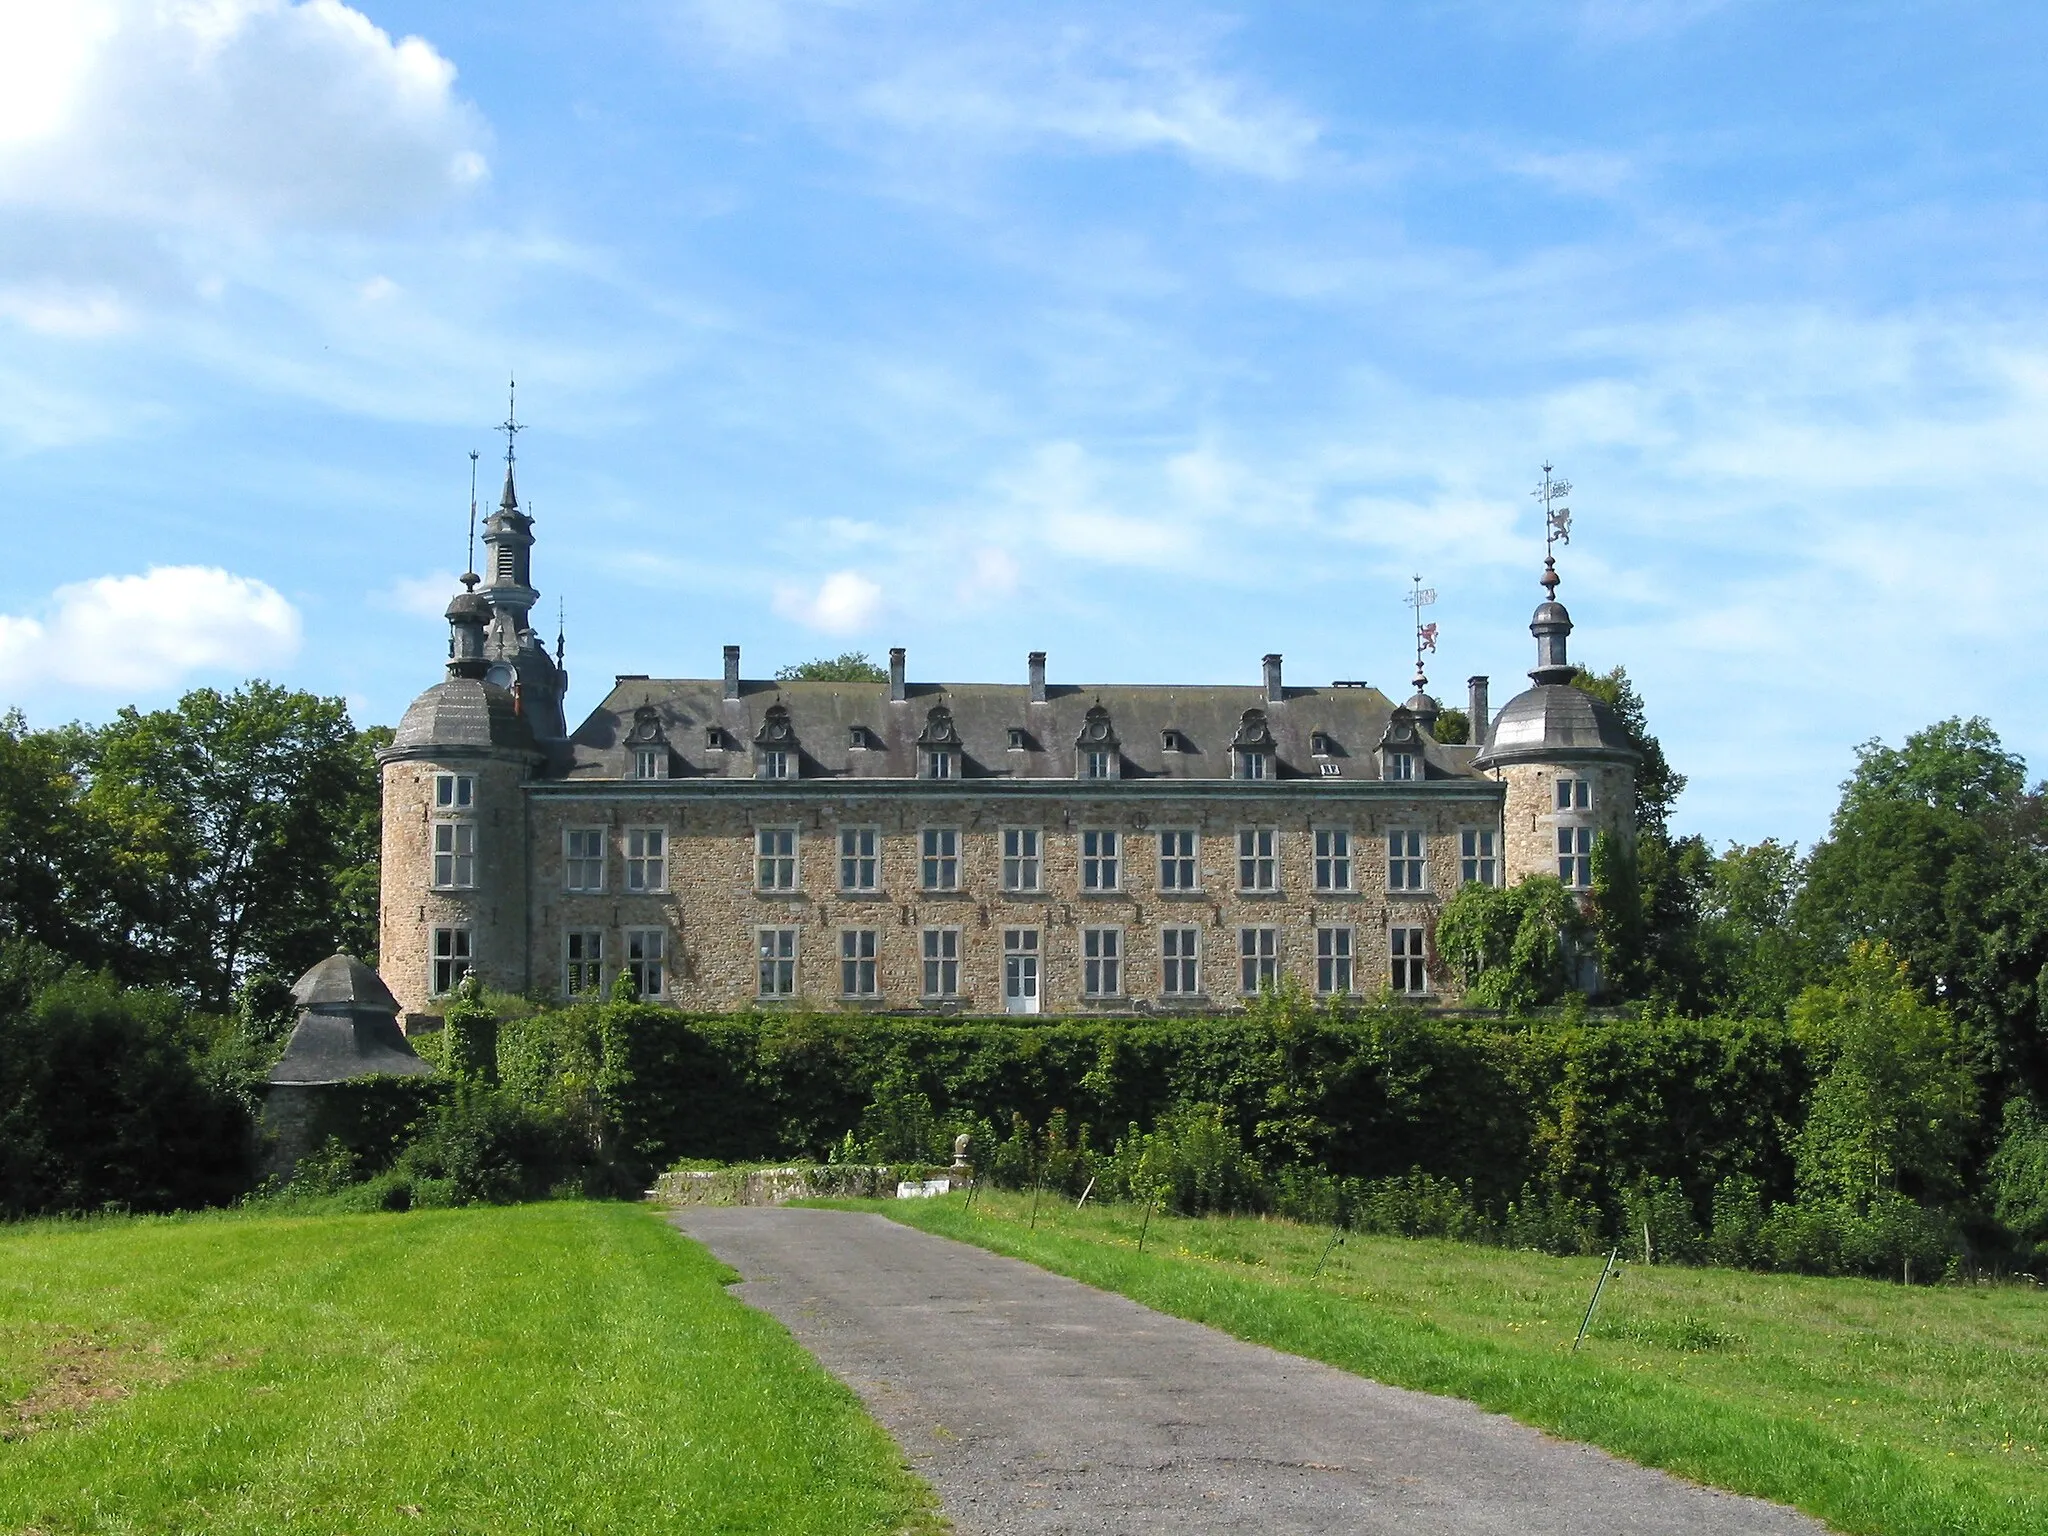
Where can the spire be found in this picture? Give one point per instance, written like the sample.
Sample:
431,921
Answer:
470,577
1552,625
509,502
508,537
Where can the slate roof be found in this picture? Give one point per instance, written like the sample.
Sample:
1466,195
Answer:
1554,718
827,718
464,712
348,1028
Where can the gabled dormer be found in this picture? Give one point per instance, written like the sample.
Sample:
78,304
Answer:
939,751
648,755
1253,752
1402,752
1097,752
777,753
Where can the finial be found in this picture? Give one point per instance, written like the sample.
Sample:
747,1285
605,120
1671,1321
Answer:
1425,634
1557,526
469,575
561,629
511,427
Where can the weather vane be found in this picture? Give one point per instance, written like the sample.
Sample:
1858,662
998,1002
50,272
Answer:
511,427
1425,634
469,576
1557,523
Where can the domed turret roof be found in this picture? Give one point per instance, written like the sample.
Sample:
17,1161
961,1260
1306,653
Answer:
1554,720
464,712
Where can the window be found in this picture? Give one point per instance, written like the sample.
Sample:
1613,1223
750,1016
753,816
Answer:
1169,741
650,762
942,962
1401,765
778,962
646,859
939,765
857,962
1258,955
1251,765
1409,976
583,859
775,858
1333,770
1099,861
1319,744
777,764
714,739
1102,962
1575,856
1333,960
1020,859
455,854
1020,970
1406,870
454,791
1019,741
941,859
1257,865
582,961
1574,794
451,959
859,868
1098,765
1180,961
1478,859
1333,859
1177,870
645,949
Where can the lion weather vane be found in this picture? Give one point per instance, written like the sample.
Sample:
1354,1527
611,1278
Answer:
1425,634
1557,523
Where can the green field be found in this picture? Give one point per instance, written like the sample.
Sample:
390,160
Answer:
559,1367
1877,1408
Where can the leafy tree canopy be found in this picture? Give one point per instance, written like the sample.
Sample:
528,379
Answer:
847,667
1658,784
1453,728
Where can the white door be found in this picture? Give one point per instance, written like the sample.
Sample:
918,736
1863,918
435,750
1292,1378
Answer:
1020,970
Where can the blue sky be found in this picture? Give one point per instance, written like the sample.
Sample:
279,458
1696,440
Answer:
1154,336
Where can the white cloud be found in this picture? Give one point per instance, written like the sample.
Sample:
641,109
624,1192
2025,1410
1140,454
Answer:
243,112
843,604
424,597
148,632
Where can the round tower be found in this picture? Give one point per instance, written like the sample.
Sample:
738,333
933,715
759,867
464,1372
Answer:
453,892
1565,757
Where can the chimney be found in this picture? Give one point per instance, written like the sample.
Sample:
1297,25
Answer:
1036,662
732,671
896,672
1476,707
1274,693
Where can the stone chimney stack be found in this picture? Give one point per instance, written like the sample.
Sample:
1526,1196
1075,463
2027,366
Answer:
1475,693
732,671
1274,692
1036,662
896,667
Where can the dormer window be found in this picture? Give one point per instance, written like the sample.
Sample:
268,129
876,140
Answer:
940,765
1253,750
1096,754
714,740
776,754
650,762
1251,765
1401,765
1319,744
648,744
1169,741
1098,765
1019,741
939,744
777,764
857,738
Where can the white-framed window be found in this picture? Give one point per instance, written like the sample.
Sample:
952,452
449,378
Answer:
1020,970
1258,861
1258,959
454,791
1101,861
1251,765
1407,870
1575,856
1022,866
1410,975
646,859
860,858
1333,859
1180,961
940,858
1574,794
646,949
1401,765
775,858
1102,962
1097,764
1333,960
857,962
1333,770
650,762
1479,856
582,961
777,949
583,859
451,959
941,765
777,763
941,962
1177,870
454,855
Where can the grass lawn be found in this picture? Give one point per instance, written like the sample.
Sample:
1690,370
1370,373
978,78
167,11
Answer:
560,1367
1877,1408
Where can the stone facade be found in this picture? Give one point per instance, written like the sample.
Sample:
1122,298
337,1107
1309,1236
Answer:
550,860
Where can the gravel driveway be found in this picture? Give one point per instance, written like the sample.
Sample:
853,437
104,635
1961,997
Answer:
1033,1403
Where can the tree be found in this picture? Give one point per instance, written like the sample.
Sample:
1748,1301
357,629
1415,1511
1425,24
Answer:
1453,728
52,876
244,832
1658,784
1893,1101
1758,961
1515,946
846,667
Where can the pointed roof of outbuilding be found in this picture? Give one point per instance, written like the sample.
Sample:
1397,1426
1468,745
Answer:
348,1028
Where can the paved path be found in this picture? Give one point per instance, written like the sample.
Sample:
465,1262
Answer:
1035,1404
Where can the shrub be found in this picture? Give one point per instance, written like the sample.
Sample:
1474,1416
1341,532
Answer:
2019,1176
489,1147
1193,1162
